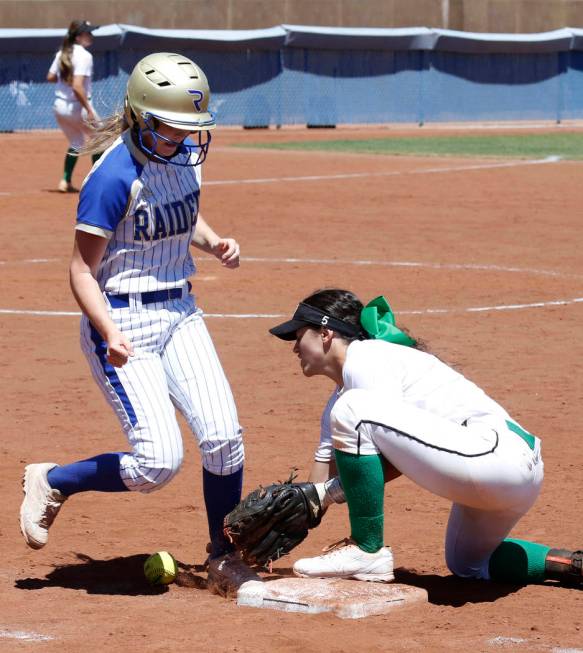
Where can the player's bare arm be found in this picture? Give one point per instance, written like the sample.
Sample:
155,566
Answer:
321,471
225,249
88,251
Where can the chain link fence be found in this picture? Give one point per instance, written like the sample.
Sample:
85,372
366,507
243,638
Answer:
257,84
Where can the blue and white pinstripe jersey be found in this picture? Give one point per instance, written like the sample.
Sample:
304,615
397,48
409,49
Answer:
147,211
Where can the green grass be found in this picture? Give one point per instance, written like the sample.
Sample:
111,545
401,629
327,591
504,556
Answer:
535,146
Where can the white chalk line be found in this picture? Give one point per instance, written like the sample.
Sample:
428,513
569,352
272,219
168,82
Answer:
406,264
363,175
31,261
357,262
500,307
393,173
509,641
23,635
245,316
505,641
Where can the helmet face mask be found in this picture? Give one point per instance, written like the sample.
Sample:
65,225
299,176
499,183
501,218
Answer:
173,90
200,148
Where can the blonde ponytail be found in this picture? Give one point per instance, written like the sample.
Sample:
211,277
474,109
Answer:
103,133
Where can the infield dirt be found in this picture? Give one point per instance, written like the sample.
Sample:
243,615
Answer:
456,244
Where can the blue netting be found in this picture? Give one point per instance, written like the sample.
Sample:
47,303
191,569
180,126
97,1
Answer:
297,85
332,86
491,87
571,106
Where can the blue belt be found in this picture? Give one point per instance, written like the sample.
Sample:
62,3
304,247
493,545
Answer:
153,297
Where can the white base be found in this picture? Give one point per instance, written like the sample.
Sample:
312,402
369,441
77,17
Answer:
347,599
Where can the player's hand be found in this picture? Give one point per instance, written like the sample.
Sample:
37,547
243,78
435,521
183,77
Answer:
91,116
119,349
227,251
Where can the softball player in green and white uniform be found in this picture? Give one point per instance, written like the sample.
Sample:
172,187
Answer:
72,72
397,409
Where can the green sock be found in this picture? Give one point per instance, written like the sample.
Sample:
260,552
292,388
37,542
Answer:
519,561
70,162
364,486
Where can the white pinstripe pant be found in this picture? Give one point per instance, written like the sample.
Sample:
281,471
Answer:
175,366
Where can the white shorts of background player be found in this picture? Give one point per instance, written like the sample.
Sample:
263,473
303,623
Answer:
71,116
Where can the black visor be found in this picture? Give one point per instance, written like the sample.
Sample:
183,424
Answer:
85,26
306,315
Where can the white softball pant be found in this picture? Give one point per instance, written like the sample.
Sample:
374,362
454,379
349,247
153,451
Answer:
490,473
71,117
175,366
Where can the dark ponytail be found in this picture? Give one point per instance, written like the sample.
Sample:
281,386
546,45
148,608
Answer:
345,305
341,304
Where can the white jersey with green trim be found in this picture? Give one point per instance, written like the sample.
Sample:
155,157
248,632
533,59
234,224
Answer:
82,64
404,374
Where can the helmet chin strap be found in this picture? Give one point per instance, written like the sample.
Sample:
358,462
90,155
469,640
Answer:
201,148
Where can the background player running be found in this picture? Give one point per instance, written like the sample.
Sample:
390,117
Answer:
398,409
72,70
141,331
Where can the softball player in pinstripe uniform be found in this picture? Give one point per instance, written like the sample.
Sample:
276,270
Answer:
141,331
397,409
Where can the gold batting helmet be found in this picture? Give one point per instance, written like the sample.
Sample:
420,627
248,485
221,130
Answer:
171,88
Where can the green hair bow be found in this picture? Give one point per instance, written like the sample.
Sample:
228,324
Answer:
378,321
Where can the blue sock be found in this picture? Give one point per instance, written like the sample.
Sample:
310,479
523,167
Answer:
221,495
100,474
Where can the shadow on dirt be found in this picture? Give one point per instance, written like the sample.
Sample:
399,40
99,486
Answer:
124,575
454,591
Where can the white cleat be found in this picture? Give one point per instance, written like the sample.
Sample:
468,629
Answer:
346,560
40,506
66,187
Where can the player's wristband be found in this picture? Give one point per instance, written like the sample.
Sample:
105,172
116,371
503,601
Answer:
330,492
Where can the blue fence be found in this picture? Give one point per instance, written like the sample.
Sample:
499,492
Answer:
320,76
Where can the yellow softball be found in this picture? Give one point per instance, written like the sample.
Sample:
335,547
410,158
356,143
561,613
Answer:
160,568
